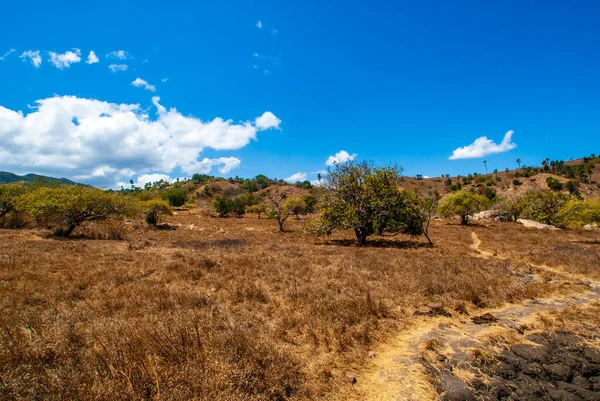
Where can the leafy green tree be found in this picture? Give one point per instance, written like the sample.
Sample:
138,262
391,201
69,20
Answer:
278,209
542,206
9,195
462,203
366,199
176,196
519,162
259,209
70,206
295,205
154,208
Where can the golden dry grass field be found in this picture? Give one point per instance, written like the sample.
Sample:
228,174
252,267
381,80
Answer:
231,309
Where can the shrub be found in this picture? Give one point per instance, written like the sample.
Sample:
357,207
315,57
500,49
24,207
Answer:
542,206
9,196
222,205
154,208
554,184
175,196
578,213
516,182
259,209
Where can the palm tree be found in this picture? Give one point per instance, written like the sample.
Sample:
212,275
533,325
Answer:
519,162
485,163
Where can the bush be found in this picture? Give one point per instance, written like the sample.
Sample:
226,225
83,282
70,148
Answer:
154,208
516,182
222,205
175,196
554,184
9,196
578,213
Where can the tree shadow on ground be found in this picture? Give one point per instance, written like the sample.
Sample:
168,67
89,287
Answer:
380,243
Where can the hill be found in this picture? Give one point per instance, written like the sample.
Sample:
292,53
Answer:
7,178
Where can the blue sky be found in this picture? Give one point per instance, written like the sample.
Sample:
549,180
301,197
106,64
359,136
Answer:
403,82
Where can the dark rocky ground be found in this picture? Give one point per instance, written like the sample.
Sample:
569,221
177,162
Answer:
556,368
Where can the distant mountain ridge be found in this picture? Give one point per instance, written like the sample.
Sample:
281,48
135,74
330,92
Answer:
7,178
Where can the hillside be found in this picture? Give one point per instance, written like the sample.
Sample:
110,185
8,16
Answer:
7,178
512,183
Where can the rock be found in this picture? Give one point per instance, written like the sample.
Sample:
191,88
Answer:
434,311
558,372
592,355
562,395
581,393
529,352
351,379
582,382
455,389
486,215
371,354
592,227
534,370
486,318
535,224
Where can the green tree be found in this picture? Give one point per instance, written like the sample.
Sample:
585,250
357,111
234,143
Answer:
70,206
9,195
278,209
519,162
463,204
366,199
542,206
485,164
295,205
259,209
154,208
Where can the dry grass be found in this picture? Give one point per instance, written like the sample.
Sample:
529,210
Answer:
229,309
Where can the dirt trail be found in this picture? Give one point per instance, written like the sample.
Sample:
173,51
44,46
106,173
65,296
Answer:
398,372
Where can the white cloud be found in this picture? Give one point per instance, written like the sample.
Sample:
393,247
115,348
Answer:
205,165
143,179
259,25
483,147
33,56
104,143
92,58
117,67
119,54
164,80
296,177
139,82
267,120
8,53
65,59
274,32
340,157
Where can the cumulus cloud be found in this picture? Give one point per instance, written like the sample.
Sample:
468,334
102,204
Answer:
118,67
139,82
296,177
259,25
143,179
8,53
118,54
65,59
104,143
33,56
340,157
483,147
92,58
267,120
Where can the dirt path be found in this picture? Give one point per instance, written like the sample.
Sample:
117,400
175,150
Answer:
398,371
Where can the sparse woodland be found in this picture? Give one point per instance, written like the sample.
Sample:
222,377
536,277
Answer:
255,289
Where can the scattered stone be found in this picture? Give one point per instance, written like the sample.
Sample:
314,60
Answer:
486,215
371,354
592,227
529,352
434,311
455,389
351,379
486,318
536,224
558,372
